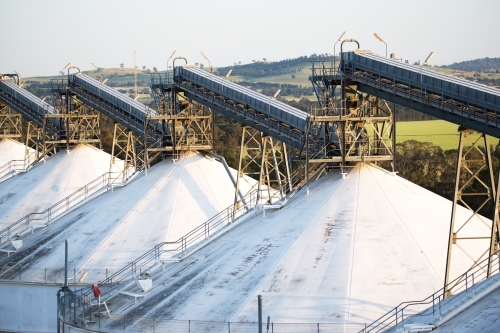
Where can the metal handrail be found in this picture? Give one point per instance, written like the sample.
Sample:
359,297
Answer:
471,277
10,167
48,214
203,231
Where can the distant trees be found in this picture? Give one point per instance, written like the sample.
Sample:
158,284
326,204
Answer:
265,68
433,168
121,65
487,65
144,67
155,69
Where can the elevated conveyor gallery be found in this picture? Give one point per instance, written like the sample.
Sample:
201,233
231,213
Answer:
31,107
117,106
465,103
246,106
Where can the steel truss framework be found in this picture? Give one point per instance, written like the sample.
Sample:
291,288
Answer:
10,123
11,127
123,153
468,233
74,123
265,160
357,127
187,125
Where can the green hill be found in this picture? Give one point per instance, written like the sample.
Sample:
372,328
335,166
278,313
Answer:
486,65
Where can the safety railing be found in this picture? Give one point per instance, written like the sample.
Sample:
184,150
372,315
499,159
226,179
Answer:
95,318
76,278
432,304
203,231
46,217
11,167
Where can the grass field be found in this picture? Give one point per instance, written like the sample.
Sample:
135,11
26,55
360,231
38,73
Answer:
438,132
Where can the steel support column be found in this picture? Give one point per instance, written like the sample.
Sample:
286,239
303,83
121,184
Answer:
470,233
123,151
249,161
10,123
34,149
274,160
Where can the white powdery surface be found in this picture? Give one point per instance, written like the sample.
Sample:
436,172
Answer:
11,150
190,193
47,183
117,227
348,253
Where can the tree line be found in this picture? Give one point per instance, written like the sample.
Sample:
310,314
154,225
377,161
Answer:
265,68
491,65
434,169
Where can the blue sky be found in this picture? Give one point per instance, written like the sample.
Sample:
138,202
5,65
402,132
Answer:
41,37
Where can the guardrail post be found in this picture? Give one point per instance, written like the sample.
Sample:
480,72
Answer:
440,305
396,318
466,284
473,293
433,305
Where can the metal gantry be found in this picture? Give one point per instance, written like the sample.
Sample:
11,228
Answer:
356,127
188,124
266,160
472,233
10,123
123,152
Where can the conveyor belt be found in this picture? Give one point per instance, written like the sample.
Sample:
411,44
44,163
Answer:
246,106
471,105
117,106
31,107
